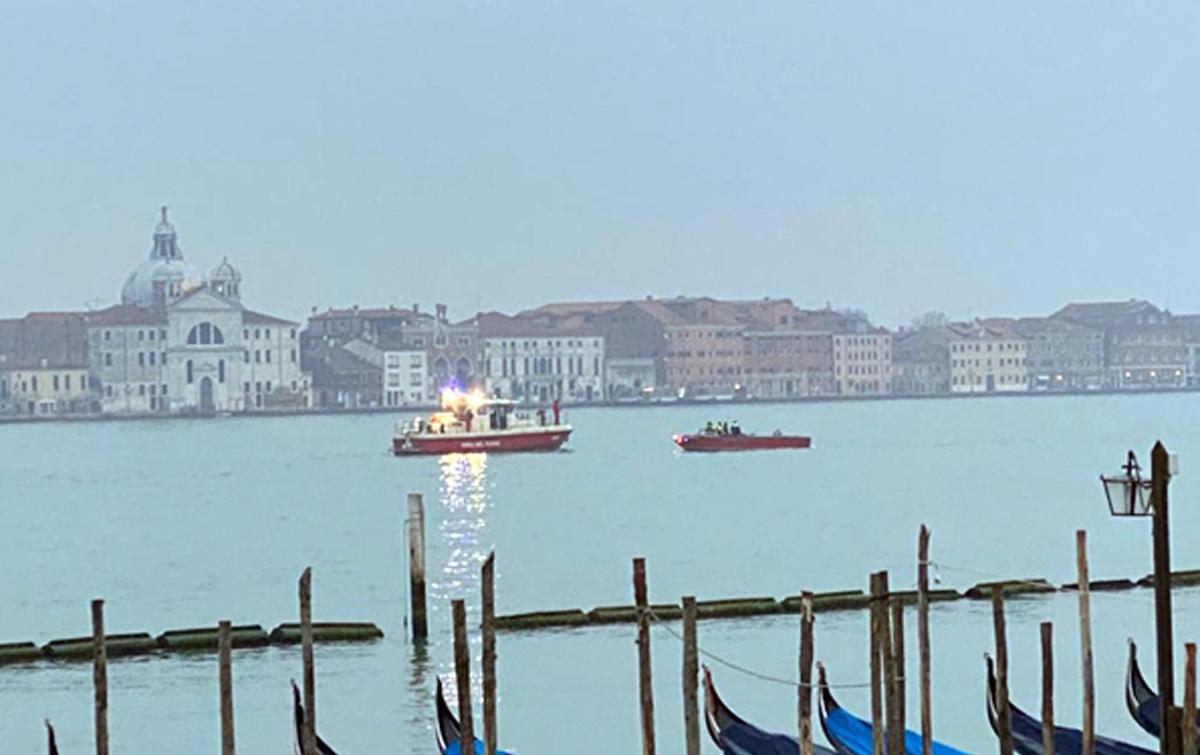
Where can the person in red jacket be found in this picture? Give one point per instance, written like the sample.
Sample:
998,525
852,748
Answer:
557,409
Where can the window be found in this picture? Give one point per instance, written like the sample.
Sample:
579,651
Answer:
418,342
162,334
293,356
268,386
189,371
415,361
67,381
257,333
293,335
267,356
464,340
221,371
141,359
153,389
108,336
246,387
108,391
152,358
205,334
56,382
150,333
162,358
267,333
141,389
108,359
141,335
257,356
164,389
247,355
246,334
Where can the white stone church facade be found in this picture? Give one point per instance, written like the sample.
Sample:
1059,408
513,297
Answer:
182,342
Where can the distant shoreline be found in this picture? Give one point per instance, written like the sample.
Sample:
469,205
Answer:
631,404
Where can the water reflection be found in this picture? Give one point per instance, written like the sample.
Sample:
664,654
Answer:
464,504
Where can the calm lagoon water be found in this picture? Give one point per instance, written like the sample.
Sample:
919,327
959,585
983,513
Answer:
183,523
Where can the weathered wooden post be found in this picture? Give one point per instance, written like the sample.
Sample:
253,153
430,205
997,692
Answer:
308,739
1160,478
1085,644
691,671
1005,714
1047,688
806,661
488,629
878,590
51,745
645,690
416,565
462,673
898,662
100,676
923,639
887,659
225,682
1189,735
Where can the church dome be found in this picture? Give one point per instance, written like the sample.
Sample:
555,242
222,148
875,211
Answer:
165,276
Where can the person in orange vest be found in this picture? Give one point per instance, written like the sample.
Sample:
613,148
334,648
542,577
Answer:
557,409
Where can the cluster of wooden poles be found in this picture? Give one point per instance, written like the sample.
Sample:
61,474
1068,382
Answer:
887,667
308,737
458,610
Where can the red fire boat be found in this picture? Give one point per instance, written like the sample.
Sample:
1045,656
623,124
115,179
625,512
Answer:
723,438
473,423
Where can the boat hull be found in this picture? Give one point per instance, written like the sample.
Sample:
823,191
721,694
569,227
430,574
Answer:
714,443
426,444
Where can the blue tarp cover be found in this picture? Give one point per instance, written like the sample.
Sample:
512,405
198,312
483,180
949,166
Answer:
855,735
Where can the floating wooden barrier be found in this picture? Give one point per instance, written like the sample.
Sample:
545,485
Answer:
19,652
628,614
205,638
709,609
82,648
1103,585
842,600
1178,579
984,590
542,619
335,631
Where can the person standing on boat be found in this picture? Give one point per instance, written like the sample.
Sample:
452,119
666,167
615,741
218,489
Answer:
557,409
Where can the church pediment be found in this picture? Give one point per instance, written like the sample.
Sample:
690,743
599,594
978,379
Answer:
203,300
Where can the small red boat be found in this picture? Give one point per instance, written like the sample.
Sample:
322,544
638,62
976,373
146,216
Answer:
735,440
473,423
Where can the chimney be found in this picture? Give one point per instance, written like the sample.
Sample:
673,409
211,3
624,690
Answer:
441,312
416,308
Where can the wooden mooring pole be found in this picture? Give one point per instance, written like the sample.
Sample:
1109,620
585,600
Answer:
1085,644
1189,734
416,565
225,682
645,690
806,661
462,674
887,659
1005,714
923,639
488,629
308,739
898,664
100,676
878,590
1047,688
691,672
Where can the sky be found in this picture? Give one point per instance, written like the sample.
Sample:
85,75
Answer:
982,159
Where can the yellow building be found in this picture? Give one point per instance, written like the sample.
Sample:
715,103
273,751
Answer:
42,387
987,356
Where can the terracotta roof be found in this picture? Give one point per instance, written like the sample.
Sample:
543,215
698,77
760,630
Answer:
127,314
498,325
339,359
366,313
250,317
1029,326
1103,312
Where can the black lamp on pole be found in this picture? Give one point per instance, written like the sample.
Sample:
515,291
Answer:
1130,495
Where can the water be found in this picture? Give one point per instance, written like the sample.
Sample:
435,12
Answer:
182,523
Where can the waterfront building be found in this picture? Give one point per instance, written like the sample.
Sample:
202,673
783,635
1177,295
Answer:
1144,347
403,372
633,342
862,353
452,350
1063,355
182,341
921,362
342,379
987,356
542,357
40,355
788,363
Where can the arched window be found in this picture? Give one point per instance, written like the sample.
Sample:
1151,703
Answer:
205,334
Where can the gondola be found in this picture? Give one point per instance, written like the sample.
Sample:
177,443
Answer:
447,730
851,735
298,717
737,737
1027,730
50,743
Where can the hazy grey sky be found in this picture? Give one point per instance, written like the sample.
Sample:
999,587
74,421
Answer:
980,158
